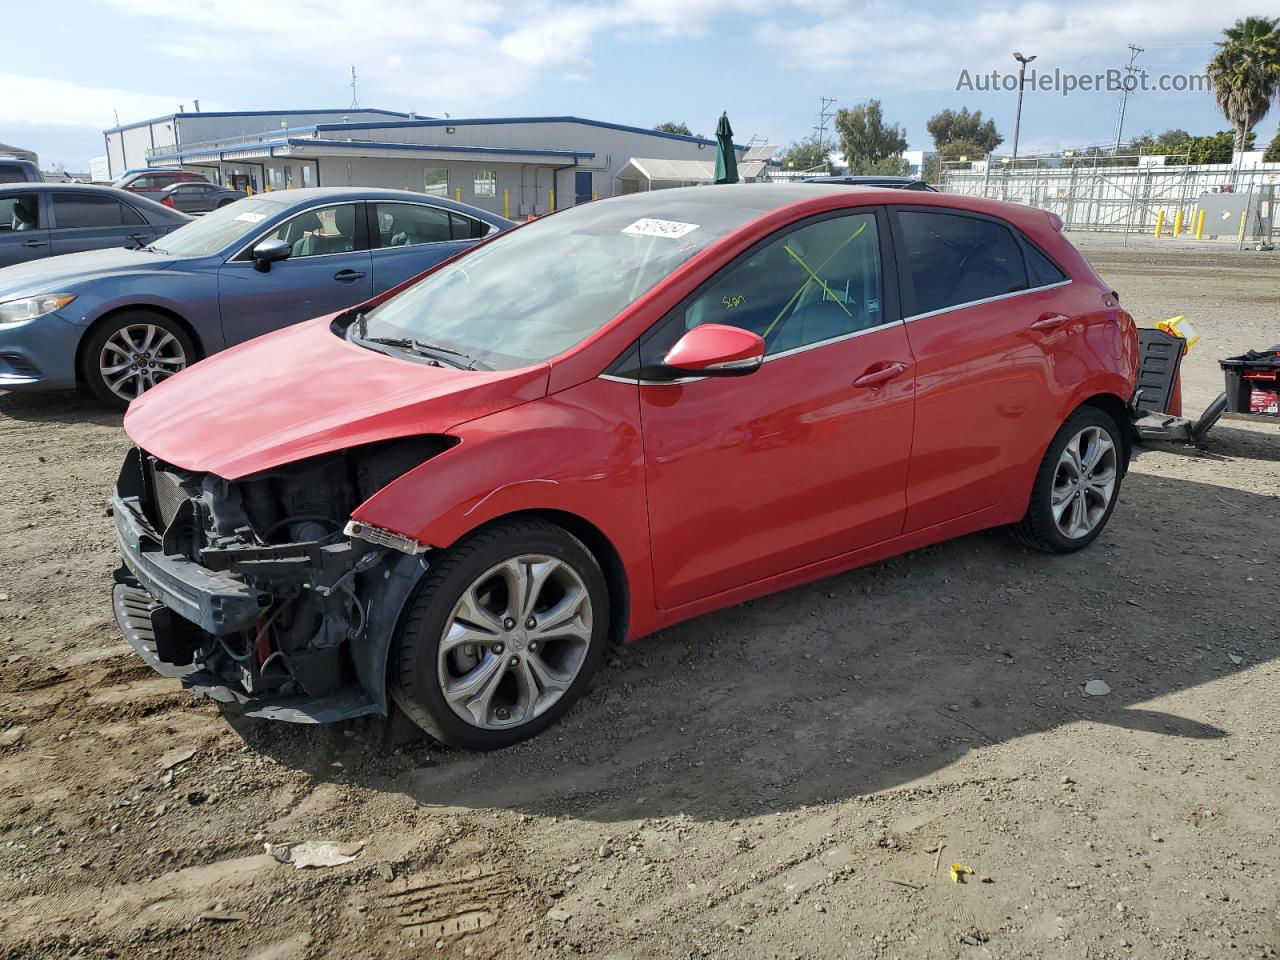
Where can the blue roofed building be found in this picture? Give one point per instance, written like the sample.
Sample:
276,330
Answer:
515,166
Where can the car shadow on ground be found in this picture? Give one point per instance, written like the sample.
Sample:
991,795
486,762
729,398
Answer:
61,406
875,678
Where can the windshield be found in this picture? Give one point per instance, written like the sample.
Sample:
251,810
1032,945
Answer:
215,230
533,293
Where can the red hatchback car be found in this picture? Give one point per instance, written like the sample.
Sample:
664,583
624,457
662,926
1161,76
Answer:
604,422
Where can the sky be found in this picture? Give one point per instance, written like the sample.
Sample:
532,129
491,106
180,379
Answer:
637,62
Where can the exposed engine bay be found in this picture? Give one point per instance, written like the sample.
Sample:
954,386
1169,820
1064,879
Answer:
251,590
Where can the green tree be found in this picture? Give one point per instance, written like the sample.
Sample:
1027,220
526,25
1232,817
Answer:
1273,150
1214,148
867,140
950,125
672,127
805,154
1246,72
1169,142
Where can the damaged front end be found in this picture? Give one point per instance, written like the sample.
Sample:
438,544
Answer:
259,591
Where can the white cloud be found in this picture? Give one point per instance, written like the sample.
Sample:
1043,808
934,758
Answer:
920,50
60,103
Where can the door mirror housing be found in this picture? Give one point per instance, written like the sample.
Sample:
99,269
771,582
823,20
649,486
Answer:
269,251
717,350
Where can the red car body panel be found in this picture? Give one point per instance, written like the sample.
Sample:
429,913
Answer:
709,492
302,391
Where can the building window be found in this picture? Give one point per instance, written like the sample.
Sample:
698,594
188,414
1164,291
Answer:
307,177
486,183
436,182
273,178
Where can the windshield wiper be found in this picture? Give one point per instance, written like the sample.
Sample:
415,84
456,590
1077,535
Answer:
429,350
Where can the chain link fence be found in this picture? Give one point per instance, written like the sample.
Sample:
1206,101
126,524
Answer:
1131,195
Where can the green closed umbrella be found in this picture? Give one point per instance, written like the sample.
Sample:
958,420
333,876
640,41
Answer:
726,159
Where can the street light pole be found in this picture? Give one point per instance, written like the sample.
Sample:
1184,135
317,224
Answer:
1017,123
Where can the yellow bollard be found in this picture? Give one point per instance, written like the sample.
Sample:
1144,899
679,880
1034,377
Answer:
1199,224
506,204
551,203
594,195
1159,222
1240,233
457,194
1177,223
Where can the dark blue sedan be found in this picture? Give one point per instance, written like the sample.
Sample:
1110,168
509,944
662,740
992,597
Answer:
120,321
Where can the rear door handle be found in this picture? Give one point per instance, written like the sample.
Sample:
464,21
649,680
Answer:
35,243
349,276
883,375
1049,321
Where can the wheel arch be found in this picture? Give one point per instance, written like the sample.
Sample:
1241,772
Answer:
165,312
1115,408
404,578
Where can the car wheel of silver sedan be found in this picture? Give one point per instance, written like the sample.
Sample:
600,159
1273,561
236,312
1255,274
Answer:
503,637
131,353
1077,484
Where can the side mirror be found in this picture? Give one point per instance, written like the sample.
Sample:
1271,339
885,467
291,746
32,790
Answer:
268,252
717,350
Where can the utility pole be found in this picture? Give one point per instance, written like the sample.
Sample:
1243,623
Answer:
355,104
825,113
1129,71
1017,122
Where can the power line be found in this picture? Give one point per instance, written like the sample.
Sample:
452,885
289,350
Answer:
1129,71
824,114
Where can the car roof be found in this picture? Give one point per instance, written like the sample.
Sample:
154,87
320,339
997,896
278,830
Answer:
301,196
61,187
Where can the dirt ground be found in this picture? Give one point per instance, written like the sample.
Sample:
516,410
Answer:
769,781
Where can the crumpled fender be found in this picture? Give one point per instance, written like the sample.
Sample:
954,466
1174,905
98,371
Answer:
577,452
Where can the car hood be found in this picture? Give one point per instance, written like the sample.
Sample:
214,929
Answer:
303,391
56,274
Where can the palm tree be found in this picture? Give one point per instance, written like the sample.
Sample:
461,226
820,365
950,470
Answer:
1246,72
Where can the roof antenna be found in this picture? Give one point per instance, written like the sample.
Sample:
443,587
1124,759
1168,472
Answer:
355,104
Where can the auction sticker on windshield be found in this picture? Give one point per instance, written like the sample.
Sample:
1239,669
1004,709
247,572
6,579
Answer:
648,227
251,217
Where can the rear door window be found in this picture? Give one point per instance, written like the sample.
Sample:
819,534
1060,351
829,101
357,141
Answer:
952,259
90,210
409,224
12,173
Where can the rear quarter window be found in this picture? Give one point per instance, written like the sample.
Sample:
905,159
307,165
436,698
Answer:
1041,271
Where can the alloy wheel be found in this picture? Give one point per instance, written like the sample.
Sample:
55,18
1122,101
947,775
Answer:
515,641
137,357
1084,482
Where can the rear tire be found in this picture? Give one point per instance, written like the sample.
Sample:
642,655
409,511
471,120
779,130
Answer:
503,637
1077,485
132,352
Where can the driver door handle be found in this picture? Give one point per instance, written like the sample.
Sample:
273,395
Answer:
35,243
349,276
883,375
1049,321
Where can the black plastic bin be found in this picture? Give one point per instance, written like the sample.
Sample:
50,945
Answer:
1258,369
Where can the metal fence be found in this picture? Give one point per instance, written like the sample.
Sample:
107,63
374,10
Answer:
1129,199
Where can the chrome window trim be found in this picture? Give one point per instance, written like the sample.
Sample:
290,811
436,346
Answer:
775,356
445,210
235,257
976,303
830,340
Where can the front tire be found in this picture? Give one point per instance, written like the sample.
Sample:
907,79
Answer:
503,636
1077,485
130,353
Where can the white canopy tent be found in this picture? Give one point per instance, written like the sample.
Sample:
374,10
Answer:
642,173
